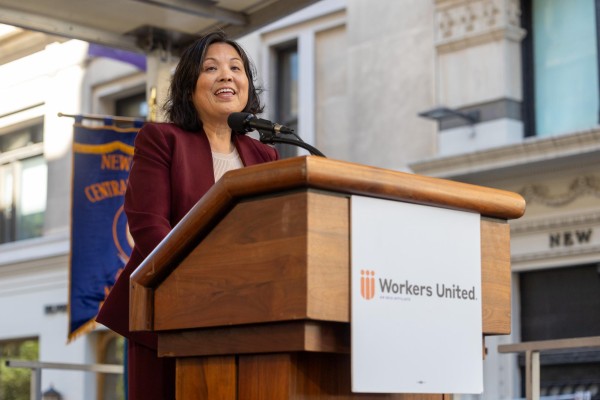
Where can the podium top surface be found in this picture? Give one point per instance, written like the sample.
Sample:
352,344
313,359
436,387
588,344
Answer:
311,172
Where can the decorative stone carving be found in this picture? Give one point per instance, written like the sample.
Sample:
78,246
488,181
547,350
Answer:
463,23
513,12
579,187
469,18
490,13
445,24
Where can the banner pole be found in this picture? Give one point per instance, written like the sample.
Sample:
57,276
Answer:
102,117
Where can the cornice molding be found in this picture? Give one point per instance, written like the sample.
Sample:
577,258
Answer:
555,254
33,250
548,224
528,151
471,40
580,186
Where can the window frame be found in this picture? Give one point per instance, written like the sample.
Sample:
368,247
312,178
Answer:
282,103
528,67
13,159
105,382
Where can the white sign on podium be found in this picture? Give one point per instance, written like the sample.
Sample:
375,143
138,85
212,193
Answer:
416,298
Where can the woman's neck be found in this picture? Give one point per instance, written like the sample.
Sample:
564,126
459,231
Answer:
219,137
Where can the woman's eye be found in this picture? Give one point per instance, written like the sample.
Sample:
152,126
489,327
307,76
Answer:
210,68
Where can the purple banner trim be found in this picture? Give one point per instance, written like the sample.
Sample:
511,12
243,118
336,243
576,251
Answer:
136,59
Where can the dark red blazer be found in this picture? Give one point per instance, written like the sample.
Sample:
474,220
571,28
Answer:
172,169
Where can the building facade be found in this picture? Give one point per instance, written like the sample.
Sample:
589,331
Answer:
499,93
40,77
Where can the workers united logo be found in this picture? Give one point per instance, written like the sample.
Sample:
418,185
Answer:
367,284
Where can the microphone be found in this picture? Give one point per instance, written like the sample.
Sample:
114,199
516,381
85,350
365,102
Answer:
246,122
269,131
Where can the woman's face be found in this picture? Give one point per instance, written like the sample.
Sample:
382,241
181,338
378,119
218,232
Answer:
222,86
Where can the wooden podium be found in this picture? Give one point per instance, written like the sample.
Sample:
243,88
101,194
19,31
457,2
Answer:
251,290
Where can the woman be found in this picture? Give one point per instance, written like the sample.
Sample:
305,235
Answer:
174,165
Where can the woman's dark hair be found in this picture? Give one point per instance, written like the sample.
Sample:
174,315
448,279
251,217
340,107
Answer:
179,107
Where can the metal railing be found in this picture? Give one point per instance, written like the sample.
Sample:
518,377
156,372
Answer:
532,352
36,368
571,396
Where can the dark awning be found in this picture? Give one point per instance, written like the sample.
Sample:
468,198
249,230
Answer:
144,25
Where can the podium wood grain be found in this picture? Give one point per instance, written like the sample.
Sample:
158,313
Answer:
216,286
274,259
293,376
206,378
251,290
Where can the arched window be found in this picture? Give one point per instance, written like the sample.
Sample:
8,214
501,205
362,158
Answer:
111,351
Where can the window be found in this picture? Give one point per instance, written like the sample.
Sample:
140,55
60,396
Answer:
286,93
562,303
111,351
560,53
15,382
23,184
132,106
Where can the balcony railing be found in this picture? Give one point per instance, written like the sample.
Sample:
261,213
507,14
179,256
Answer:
532,352
36,368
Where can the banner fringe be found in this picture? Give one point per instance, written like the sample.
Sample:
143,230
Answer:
82,330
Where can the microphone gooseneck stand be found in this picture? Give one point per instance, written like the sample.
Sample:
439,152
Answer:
271,138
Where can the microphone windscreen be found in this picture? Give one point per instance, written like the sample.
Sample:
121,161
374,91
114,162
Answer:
237,121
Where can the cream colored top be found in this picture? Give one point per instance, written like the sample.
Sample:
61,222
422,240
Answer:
226,162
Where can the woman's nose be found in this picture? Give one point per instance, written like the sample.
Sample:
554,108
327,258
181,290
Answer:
225,76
